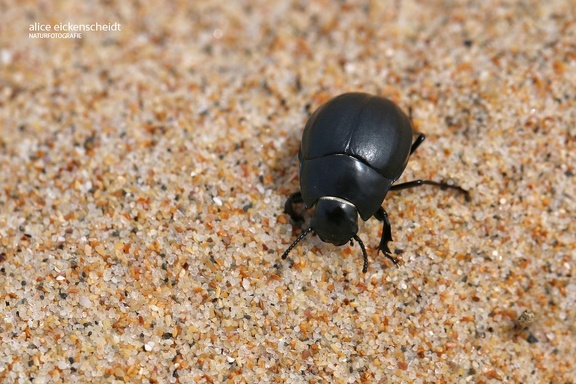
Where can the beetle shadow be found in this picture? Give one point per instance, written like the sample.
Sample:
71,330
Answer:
285,171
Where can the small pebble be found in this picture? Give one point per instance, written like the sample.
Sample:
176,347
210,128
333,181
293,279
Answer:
525,319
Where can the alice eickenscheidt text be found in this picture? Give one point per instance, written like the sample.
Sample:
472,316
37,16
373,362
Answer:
71,27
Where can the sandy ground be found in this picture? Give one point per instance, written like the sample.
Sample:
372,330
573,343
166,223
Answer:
143,175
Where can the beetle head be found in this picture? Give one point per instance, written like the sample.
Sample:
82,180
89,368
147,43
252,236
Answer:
335,220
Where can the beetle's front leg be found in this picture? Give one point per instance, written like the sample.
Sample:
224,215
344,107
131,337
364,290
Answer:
382,216
295,198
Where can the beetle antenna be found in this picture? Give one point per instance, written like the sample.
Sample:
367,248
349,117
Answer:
365,268
298,239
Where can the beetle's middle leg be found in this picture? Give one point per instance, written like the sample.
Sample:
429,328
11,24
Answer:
295,198
382,216
418,183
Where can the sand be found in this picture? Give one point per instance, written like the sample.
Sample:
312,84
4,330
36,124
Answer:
143,175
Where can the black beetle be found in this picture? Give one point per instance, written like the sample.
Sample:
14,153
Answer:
354,147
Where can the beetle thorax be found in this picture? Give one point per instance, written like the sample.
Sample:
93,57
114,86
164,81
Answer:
335,220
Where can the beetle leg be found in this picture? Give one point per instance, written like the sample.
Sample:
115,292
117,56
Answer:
295,198
382,216
418,183
419,140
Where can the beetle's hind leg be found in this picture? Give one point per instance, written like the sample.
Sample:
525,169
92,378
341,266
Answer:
419,140
382,216
295,198
416,183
